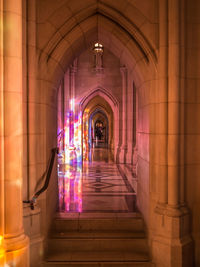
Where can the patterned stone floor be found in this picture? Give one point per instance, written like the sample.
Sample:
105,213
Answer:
99,185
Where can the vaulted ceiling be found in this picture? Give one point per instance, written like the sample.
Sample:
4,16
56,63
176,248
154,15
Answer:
65,28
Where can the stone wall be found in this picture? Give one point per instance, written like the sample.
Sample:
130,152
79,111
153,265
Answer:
191,118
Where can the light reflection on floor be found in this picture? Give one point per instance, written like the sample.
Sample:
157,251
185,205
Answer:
97,185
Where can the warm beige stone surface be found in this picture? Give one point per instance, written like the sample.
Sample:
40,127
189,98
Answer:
13,78
13,241
158,42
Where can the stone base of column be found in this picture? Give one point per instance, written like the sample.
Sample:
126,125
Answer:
33,230
111,146
135,156
172,245
122,155
17,251
36,251
129,156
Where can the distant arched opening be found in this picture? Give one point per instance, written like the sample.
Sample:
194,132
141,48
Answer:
98,129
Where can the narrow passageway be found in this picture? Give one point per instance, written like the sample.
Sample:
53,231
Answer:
96,185
97,223
99,133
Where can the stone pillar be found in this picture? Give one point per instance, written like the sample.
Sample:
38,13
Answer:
2,250
62,111
32,218
174,107
66,96
161,148
131,120
72,73
123,147
175,110
15,241
60,116
172,243
73,70
32,99
135,123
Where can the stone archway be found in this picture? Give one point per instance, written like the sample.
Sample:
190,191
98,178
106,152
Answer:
136,50
140,67
99,116
110,106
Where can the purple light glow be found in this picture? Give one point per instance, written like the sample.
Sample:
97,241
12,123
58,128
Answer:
70,161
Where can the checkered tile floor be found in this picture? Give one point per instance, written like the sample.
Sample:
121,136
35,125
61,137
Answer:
100,186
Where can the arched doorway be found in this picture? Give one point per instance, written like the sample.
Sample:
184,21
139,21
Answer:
98,118
99,129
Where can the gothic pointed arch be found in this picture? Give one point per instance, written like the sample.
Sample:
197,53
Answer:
102,92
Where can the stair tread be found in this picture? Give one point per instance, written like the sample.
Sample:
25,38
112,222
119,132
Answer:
94,216
98,234
98,224
94,256
93,239
98,263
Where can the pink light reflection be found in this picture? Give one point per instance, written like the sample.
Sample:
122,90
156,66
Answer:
70,188
70,161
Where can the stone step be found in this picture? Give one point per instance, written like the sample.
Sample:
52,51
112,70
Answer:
134,224
98,264
97,244
97,234
97,240
100,258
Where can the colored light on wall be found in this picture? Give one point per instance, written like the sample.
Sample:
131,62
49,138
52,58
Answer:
72,104
72,136
70,165
85,135
70,188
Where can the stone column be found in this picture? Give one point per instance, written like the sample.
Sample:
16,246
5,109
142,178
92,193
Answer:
174,117
32,218
172,241
60,116
131,121
123,147
72,73
59,119
162,109
2,251
135,123
62,111
66,95
33,107
73,70
15,242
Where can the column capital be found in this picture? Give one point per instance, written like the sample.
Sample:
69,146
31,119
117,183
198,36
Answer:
73,67
73,70
123,70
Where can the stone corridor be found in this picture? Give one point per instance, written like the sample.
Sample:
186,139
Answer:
113,85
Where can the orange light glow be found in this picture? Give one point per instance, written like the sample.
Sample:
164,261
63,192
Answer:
1,240
2,251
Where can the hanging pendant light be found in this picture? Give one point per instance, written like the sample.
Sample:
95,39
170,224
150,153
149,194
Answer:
98,48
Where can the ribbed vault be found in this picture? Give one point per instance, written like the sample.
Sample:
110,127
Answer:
74,26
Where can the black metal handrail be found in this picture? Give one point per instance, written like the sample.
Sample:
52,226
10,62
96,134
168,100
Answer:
46,183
